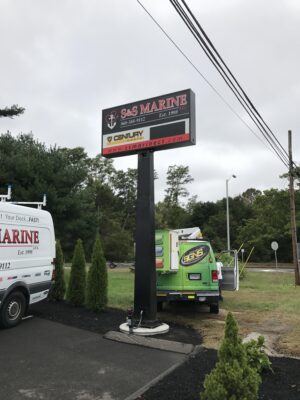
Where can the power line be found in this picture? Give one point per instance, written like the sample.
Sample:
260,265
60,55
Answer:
232,83
247,98
206,80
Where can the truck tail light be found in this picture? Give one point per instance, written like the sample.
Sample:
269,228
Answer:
159,263
214,275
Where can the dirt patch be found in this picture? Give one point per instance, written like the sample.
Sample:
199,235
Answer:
281,337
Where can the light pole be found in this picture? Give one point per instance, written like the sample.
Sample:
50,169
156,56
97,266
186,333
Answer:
227,212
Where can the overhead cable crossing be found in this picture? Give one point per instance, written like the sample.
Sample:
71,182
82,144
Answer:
226,74
231,81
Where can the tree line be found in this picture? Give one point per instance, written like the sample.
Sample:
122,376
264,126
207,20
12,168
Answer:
88,196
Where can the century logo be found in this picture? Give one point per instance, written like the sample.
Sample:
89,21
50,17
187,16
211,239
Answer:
125,136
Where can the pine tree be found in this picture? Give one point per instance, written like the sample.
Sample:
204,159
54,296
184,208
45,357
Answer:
58,290
12,111
76,288
97,279
232,378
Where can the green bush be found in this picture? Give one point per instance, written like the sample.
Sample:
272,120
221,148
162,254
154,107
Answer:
257,358
57,292
76,288
232,378
225,258
97,279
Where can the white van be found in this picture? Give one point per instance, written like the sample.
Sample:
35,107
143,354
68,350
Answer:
27,255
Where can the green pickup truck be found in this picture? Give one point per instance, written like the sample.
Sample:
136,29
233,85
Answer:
187,269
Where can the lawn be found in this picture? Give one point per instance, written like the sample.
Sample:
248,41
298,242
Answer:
267,302
120,286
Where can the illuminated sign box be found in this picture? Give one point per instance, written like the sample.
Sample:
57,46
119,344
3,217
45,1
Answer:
159,123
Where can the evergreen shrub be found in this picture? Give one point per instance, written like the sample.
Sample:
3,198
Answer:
77,282
232,378
57,292
97,279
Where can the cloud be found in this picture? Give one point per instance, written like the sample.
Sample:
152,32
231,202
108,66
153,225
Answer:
65,64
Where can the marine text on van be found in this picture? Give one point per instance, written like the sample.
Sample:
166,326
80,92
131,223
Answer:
18,236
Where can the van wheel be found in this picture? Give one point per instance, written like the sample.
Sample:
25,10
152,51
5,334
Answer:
214,308
13,310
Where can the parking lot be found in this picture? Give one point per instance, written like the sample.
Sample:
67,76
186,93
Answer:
44,360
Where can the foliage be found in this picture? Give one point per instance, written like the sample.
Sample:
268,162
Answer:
57,292
270,221
76,288
177,178
86,196
232,378
257,358
61,173
225,258
12,111
97,279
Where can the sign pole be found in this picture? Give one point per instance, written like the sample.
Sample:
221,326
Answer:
145,306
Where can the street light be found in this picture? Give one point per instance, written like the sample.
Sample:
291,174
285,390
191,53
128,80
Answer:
227,212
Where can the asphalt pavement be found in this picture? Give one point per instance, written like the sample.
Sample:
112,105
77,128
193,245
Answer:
45,360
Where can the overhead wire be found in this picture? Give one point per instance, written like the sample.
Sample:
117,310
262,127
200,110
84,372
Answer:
222,69
233,77
202,76
273,148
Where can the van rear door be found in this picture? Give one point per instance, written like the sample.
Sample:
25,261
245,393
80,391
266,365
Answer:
194,261
230,272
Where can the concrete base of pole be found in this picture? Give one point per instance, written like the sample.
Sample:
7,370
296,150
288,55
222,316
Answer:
142,331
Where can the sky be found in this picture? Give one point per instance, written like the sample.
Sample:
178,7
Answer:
66,60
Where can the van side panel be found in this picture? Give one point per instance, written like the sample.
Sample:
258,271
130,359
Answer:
27,250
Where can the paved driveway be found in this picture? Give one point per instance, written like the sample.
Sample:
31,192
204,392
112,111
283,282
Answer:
43,360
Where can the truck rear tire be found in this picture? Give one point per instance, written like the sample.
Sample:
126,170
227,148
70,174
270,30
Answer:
13,310
214,308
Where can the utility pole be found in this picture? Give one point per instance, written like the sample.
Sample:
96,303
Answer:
293,213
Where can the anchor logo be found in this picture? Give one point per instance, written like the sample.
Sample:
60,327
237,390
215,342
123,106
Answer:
111,119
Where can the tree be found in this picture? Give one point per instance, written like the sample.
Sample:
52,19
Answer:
177,177
250,195
125,189
34,169
76,288
232,378
270,221
97,279
58,290
12,111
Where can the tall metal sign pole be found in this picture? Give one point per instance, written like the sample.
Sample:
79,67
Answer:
293,213
145,271
142,127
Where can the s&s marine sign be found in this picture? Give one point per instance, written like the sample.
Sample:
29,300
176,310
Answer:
162,122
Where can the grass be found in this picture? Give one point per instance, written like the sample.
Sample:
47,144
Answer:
267,302
265,291
120,286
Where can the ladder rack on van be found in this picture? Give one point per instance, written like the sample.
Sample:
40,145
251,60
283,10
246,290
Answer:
7,196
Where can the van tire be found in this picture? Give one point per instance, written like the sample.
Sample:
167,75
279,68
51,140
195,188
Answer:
13,310
214,308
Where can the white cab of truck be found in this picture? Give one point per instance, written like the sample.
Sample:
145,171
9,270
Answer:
27,255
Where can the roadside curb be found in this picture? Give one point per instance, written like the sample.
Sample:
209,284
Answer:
136,395
153,343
